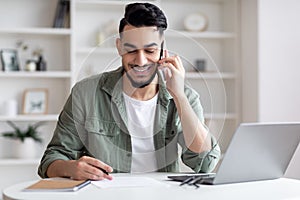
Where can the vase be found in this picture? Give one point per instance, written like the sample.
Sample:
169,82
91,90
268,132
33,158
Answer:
30,65
41,64
24,150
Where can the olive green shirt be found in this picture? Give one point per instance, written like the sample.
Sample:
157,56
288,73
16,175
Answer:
94,122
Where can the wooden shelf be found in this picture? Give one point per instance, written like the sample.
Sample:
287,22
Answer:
197,1
36,74
201,35
97,50
53,117
18,161
220,116
210,75
109,3
37,31
50,117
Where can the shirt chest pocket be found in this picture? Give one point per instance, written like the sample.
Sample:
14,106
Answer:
102,128
103,139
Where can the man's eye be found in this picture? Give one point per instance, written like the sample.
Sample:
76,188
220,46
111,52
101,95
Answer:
149,50
131,51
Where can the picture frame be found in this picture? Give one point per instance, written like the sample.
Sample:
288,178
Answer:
35,101
9,60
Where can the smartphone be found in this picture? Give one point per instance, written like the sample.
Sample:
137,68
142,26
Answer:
161,50
162,74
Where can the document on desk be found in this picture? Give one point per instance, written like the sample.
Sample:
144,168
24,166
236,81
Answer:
129,181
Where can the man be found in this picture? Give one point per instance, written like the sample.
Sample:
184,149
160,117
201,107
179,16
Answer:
131,119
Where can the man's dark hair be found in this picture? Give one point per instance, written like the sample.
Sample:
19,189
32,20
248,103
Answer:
143,14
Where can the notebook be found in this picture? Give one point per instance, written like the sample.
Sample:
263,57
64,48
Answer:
257,151
57,185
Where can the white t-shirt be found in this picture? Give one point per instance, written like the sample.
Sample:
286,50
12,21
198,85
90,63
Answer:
141,116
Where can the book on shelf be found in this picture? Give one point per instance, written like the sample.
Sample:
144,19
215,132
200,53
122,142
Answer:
62,18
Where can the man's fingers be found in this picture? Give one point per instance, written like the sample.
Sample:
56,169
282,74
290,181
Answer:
95,173
97,163
93,168
166,53
175,61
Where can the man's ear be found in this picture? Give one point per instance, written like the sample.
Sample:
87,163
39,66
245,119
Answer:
118,45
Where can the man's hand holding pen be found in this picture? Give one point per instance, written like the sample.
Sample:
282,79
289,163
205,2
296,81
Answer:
90,168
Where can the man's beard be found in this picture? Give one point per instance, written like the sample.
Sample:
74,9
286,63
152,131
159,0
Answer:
136,84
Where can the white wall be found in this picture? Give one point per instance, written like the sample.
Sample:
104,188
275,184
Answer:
279,65
270,47
279,60
249,60
271,64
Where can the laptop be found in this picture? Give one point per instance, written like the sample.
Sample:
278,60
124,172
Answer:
257,151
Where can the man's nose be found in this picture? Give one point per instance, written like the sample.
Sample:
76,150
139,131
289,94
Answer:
141,58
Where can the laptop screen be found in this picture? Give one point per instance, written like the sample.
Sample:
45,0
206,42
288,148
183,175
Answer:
258,151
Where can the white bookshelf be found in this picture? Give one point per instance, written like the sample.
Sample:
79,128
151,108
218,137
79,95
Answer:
218,45
74,50
32,24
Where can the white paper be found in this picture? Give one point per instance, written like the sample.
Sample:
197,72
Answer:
129,181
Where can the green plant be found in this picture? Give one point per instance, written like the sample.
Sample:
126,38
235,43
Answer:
30,132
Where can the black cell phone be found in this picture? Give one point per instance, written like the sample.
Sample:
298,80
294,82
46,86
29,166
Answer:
160,57
161,50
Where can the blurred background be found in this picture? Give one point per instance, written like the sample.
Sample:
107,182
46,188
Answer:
242,56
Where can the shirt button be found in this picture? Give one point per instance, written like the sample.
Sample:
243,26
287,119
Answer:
128,154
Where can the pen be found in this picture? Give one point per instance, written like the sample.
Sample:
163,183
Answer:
193,180
186,181
196,180
103,170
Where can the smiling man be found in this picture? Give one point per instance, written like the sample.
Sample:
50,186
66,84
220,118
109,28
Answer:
140,50
131,119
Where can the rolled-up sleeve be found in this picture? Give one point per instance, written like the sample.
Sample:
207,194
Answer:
66,143
205,161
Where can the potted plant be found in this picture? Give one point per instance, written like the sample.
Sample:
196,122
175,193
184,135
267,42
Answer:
24,140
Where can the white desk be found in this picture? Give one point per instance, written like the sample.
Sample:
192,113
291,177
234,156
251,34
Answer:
272,189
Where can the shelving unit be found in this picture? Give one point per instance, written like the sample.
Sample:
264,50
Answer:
76,52
218,45
31,22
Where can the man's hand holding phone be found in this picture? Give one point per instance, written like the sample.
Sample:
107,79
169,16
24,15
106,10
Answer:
173,73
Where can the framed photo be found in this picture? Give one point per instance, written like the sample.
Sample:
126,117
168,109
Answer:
9,60
35,101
